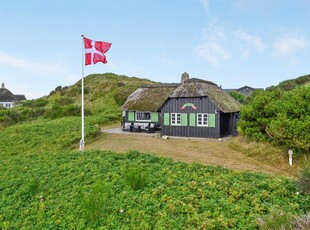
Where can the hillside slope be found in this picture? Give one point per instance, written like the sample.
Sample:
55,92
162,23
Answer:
104,94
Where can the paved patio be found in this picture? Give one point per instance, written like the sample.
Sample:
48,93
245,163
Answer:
120,131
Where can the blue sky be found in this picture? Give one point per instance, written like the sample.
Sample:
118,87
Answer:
232,43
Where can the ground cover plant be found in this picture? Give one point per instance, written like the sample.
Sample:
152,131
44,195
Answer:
177,195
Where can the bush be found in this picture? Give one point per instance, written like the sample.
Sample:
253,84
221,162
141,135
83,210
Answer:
238,96
303,182
280,116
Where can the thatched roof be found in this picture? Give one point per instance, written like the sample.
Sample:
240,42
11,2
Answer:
152,97
7,96
200,88
149,97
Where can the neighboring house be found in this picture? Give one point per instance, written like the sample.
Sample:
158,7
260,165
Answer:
194,108
7,98
245,90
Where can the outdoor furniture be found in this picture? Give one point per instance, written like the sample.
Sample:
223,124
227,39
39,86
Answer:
137,128
150,128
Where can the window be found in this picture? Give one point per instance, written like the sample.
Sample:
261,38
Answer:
202,119
143,116
175,118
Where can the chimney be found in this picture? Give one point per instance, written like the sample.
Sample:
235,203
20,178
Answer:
184,77
2,86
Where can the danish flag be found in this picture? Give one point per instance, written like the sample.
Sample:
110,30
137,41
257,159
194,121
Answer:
95,50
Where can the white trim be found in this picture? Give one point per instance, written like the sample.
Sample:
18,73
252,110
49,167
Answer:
202,120
136,114
175,115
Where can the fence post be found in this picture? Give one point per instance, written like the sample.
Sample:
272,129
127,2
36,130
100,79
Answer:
290,153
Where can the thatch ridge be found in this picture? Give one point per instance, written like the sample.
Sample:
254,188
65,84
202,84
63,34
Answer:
148,98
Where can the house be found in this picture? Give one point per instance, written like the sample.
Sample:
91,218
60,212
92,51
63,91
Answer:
245,90
193,108
7,98
199,108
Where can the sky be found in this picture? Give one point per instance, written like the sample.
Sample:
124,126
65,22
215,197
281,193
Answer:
232,43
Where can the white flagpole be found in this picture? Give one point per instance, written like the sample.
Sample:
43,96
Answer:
83,56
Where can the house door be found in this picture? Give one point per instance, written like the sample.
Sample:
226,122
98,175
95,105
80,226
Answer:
235,117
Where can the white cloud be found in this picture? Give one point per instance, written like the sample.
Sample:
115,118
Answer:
249,41
287,46
213,50
28,65
220,45
35,78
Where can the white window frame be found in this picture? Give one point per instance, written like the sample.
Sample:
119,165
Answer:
202,120
137,116
175,119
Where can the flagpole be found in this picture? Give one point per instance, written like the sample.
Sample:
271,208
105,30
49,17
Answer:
83,56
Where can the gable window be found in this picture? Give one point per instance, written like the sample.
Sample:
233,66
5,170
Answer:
143,116
175,118
202,119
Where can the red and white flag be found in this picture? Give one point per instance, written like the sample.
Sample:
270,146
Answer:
95,50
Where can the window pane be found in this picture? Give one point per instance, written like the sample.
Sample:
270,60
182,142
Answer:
143,116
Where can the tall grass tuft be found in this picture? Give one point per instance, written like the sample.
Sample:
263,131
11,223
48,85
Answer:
33,186
136,177
94,203
277,219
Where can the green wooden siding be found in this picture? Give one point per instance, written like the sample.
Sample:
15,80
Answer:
192,119
183,119
166,119
211,120
131,116
154,117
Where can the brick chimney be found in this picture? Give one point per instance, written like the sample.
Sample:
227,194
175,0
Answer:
184,77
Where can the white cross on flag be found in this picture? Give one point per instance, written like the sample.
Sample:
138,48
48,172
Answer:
95,50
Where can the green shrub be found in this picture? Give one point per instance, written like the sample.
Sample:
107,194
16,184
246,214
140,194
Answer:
136,177
238,96
303,182
63,101
279,116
